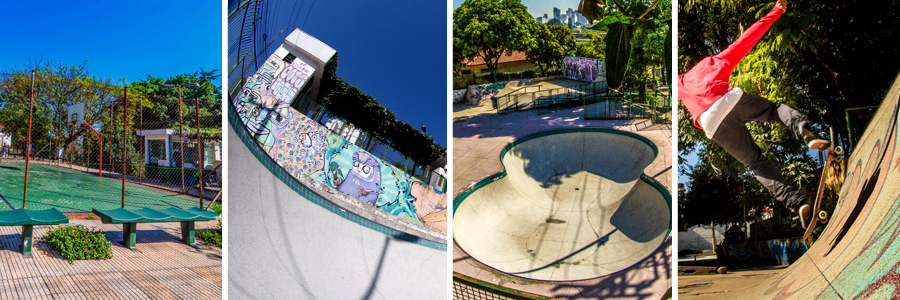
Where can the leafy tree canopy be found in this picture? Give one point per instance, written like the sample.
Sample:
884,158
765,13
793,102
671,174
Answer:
361,109
820,57
624,20
490,28
552,44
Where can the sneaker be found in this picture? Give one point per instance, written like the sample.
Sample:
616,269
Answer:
805,217
814,142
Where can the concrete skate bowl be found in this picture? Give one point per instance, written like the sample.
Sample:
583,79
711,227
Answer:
571,205
857,256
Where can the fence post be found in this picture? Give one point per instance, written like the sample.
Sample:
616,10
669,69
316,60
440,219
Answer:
124,143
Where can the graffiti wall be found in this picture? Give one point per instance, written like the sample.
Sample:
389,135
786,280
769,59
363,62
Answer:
482,92
778,251
305,148
584,69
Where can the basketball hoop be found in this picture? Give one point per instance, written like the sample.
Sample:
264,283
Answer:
76,114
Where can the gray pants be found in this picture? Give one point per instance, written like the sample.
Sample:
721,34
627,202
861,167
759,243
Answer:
733,136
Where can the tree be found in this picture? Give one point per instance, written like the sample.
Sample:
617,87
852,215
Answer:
490,28
622,20
554,22
56,87
820,58
594,47
552,44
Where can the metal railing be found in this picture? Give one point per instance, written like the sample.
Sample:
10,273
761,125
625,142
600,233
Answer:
653,105
549,97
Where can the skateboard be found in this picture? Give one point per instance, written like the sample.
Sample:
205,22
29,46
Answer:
817,215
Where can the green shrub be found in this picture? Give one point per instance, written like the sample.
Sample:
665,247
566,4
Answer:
79,242
210,237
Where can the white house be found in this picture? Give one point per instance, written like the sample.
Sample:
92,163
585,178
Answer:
162,147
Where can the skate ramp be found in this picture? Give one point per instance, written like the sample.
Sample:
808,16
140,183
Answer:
283,243
858,254
571,205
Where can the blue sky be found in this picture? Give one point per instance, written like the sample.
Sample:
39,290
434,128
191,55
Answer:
395,51
538,8
119,39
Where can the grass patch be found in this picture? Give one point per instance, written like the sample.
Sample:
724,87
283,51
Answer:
79,242
210,237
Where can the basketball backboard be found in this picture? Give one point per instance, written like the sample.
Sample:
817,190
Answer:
76,114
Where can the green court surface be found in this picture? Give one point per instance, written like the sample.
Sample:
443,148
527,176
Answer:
73,191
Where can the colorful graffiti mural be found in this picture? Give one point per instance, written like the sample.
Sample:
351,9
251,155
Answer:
481,92
264,102
305,148
583,69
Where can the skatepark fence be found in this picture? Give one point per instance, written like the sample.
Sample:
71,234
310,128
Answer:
468,288
151,141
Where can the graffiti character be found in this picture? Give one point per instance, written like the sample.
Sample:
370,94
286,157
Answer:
336,174
363,181
430,205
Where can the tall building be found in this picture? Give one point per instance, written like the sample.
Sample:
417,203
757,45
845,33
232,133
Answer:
556,14
539,19
582,19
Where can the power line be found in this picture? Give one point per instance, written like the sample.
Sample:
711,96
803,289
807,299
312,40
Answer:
307,14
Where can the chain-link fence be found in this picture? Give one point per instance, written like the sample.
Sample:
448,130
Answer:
169,150
468,288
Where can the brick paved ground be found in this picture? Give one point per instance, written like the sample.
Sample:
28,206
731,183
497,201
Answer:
162,268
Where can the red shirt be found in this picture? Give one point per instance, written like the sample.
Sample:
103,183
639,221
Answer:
707,81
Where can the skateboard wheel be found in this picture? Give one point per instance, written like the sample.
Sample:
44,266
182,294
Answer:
838,150
823,215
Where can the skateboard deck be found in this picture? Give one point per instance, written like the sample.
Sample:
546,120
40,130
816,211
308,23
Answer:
831,154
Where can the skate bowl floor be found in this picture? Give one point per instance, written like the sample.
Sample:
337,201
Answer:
572,204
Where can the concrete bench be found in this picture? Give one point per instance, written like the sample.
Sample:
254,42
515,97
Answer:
27,219
130,218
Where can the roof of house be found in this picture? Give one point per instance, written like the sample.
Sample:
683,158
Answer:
516,56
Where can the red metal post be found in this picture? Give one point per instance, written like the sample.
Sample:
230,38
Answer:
101,145
124,144
181,137
141,172
199,153
213,200
28,144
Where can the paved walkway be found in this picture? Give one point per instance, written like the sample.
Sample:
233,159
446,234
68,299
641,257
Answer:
712,286
162,268
479,136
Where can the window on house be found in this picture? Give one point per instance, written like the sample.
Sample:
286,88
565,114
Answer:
189,155
157,150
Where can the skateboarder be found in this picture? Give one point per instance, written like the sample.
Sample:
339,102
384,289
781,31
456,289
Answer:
722,112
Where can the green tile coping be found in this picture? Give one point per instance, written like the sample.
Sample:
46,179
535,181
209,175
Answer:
316,198
145,215
22,216
497,176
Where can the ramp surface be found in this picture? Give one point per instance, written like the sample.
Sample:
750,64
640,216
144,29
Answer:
573,205
283,246
858,254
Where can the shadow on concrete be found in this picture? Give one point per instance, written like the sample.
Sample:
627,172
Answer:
371,290
623,284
